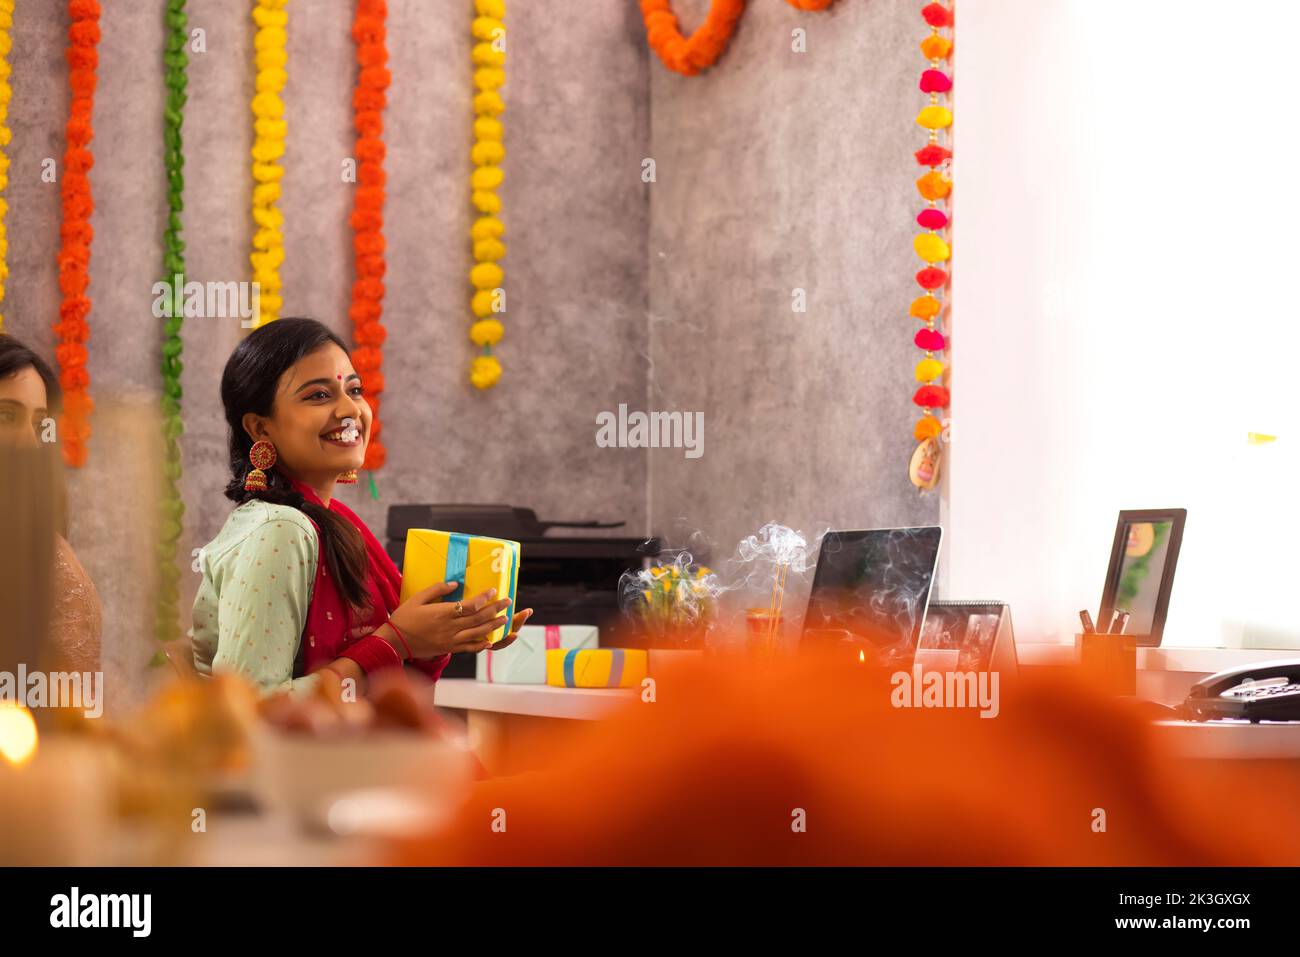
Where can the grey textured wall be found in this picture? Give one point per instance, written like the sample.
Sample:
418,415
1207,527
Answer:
774,170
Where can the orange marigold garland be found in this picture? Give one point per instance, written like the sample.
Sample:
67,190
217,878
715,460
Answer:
934,186
689,55
76,233
369,32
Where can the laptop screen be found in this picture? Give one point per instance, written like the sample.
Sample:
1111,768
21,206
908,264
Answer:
871,589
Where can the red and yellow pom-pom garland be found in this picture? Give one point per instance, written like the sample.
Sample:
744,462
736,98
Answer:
368,102
487,276
76,233
935,187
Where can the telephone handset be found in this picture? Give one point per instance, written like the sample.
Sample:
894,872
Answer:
1264,691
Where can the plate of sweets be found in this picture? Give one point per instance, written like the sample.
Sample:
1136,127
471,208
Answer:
313,750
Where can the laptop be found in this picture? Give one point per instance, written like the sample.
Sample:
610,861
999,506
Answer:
870,592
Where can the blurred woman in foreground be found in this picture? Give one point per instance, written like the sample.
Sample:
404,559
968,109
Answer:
30,399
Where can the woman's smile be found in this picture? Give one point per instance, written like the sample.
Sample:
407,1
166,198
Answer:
347,435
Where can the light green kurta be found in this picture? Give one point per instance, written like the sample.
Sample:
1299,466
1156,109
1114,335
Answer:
251,606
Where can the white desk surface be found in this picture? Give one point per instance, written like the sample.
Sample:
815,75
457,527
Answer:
1232,739
592,703
1198,739
538,700
1165,658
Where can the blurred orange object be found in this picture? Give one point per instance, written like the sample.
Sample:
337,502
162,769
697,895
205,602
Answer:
730,757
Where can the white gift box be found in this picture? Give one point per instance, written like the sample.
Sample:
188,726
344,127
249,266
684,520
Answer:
524,662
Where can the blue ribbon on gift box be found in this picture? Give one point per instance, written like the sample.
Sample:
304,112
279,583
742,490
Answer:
457,560
615,667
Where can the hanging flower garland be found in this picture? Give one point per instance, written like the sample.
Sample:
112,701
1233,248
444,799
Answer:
489,59
367,219
689,55
269,129
6,44
175,62
934,186
76,233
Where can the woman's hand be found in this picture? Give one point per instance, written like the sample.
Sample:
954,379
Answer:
431,627
520,618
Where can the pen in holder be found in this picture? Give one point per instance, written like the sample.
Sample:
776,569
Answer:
1109,662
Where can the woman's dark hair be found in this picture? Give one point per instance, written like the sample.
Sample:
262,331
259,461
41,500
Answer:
15,357
249,384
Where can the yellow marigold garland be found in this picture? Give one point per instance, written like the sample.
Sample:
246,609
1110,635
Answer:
489,59
6,43
269,130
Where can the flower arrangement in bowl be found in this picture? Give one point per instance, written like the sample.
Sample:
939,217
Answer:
674,602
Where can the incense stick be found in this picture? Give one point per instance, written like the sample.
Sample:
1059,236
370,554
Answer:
778,601
780,604
771,609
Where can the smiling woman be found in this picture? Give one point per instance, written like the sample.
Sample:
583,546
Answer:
295,583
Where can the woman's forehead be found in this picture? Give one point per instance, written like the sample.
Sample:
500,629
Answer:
327,362
25,386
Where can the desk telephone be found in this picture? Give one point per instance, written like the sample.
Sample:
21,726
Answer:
1264,691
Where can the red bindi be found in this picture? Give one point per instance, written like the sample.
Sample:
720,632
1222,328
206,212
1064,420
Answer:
339,377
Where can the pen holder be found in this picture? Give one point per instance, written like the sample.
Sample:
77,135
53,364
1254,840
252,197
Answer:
1109,662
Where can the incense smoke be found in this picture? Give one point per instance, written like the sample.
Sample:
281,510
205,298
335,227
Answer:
757,576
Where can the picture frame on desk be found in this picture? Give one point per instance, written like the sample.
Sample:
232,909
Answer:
1144,539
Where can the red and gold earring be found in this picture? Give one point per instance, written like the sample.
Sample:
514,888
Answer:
262,455
348,478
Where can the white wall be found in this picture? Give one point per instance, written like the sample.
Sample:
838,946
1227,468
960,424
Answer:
1124,229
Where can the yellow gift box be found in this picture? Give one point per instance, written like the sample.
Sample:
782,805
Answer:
595,667
474,562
